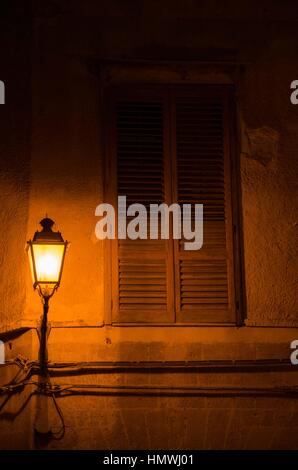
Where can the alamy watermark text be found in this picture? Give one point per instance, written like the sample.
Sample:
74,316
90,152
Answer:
133,222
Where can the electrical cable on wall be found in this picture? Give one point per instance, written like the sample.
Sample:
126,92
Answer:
29,369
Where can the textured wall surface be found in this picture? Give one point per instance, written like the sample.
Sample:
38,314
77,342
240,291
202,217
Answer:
15,71
16,410
52,155
162,419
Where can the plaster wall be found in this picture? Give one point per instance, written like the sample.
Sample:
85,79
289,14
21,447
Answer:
59,171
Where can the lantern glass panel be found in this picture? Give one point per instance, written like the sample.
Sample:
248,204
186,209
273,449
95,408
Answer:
48,260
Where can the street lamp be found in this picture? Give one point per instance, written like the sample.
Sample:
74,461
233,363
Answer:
46,256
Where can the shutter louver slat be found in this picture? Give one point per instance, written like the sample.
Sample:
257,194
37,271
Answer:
142,285
140,150
198,286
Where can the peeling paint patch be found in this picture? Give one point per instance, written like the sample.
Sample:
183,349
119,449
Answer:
261,144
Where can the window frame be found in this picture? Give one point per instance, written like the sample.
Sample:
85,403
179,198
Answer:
232,189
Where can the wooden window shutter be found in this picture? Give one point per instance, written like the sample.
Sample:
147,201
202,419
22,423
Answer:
204,279
172,144
143,277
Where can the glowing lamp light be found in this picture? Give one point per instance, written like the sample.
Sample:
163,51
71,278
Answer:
46,256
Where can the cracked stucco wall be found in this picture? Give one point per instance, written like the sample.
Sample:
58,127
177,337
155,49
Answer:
269,172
